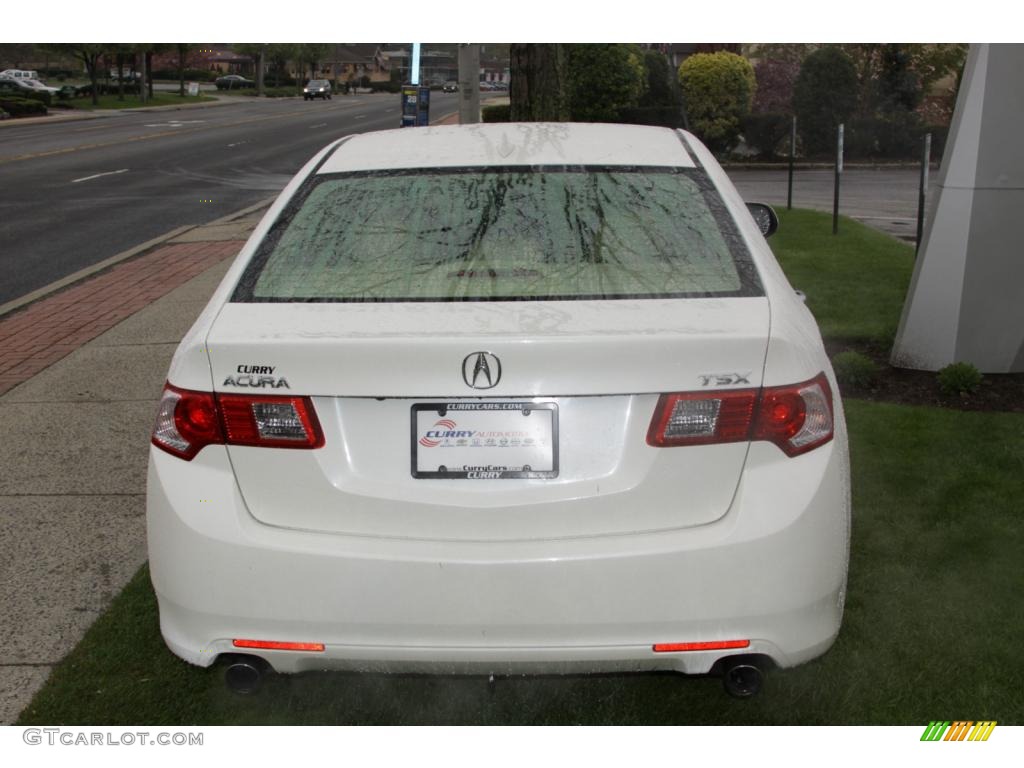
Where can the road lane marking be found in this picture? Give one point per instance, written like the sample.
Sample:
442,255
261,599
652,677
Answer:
359,117
318,125
97,175
239,143
172,123
144,137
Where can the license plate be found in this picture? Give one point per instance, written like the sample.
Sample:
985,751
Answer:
484,441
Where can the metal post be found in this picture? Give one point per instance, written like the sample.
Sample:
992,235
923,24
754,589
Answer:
792,154
839,172
469,83
923,190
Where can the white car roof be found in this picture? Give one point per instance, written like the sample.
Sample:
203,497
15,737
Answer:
505,144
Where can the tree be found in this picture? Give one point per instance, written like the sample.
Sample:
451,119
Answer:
662,101
718,89
257,52
280,54
540,87
183,51
311,54
825,94
775,81
935,62
89,55
604,79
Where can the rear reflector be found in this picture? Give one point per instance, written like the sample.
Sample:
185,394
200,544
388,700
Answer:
276,645
796,417
187,421
713,645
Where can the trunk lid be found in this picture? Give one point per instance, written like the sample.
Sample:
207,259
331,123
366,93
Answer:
601,363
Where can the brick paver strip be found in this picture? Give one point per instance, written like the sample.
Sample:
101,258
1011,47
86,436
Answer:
34,338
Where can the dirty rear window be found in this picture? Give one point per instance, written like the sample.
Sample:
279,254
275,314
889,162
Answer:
502,234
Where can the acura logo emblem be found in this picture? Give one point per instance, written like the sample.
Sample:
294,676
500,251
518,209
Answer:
481,370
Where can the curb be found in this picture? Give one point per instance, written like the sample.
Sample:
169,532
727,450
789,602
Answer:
137,250
61,118
95,114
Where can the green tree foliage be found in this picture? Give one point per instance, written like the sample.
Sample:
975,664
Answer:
87,54
898,87
604,79
257,52
825,94
662,101
279,55
775,81
718,89
539,89
310,55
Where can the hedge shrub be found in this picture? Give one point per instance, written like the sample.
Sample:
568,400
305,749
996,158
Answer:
959,379
273,93
662,101
718,89
604,79
764,132
16,107
496,113
824,95
854,370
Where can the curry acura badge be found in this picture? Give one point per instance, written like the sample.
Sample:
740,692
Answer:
481,370
252,377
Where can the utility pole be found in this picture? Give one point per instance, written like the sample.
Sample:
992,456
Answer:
469,83
144,77
259,69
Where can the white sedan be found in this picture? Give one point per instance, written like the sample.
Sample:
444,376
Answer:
496,399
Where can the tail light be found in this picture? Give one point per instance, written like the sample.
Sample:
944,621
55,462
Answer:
797,417
186,421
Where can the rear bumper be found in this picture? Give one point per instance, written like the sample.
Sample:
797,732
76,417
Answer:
772,570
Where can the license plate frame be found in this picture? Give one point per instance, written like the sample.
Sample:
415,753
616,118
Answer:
494,466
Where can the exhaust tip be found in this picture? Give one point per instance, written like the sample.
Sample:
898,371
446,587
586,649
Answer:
742,679
245,674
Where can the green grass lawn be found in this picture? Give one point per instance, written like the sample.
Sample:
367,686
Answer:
160,99
855,281
933,614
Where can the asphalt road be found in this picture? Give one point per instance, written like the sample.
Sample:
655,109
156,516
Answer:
75,193
883,198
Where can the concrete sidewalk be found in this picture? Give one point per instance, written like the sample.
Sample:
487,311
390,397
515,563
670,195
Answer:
82,371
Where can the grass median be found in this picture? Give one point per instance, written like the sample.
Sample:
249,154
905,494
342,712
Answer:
932,615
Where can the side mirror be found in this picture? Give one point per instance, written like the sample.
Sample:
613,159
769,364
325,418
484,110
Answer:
765,218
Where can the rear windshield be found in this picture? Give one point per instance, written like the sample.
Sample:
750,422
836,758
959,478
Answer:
502,234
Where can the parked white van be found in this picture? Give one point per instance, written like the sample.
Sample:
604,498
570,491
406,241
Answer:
20,74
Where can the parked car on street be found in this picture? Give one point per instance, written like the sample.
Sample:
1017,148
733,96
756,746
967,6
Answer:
15,86
503,398
231,82
317,89
25,86
41,87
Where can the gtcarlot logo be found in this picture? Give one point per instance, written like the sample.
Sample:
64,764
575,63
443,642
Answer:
959,730
74,738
